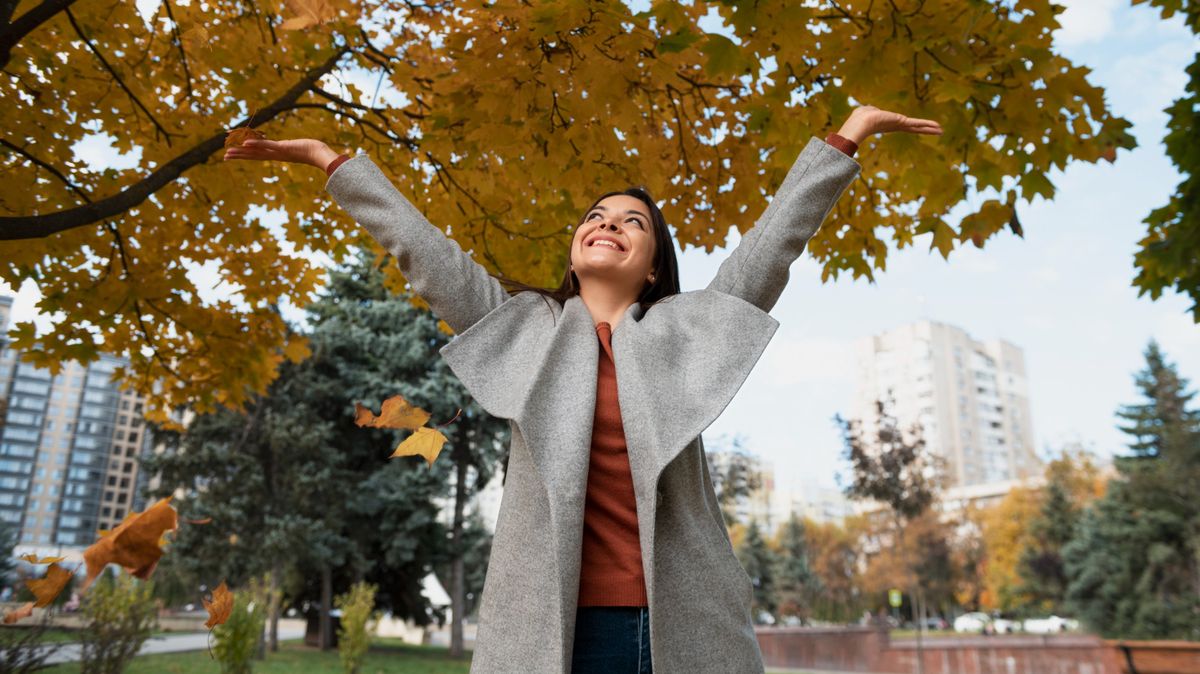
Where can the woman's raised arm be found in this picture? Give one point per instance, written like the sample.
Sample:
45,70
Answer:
458,289
757,270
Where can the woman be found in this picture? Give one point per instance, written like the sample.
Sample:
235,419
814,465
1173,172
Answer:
609,536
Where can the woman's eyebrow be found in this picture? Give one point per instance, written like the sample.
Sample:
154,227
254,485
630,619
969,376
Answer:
601,208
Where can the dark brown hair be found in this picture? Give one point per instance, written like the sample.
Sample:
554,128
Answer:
666,269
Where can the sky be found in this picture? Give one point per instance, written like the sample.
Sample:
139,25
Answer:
1063,294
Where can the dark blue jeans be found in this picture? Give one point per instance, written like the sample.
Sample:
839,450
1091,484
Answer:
611,640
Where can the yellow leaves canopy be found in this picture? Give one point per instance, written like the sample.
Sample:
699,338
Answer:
506,129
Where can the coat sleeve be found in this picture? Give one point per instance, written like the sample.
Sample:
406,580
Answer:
757,270
458,289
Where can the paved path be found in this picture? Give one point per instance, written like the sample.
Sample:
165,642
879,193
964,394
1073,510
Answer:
168,643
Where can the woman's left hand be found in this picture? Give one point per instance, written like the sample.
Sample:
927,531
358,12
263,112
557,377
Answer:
867,120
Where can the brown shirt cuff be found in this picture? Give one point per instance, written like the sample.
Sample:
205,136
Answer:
335,163
842,143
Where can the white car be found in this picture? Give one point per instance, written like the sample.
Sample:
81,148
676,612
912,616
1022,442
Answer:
1005,626
972,622
1051,625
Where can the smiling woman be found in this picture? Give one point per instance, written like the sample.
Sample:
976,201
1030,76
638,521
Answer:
610,552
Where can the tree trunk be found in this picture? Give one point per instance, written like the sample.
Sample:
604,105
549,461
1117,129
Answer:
275,608
326,604
457,584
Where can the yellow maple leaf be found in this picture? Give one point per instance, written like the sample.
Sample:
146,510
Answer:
396,412
425,442
33,559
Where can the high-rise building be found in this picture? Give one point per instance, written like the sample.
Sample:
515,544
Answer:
69,448
970,398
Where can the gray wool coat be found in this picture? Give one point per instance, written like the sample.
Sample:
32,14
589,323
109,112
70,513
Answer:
678,365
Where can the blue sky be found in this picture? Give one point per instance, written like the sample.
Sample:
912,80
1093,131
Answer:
1063,294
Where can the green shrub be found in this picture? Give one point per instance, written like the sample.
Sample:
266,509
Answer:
120,614
354,635
235,641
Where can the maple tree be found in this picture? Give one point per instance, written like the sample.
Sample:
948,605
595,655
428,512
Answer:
512,120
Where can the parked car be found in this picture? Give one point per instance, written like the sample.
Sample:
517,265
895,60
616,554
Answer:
1005,626
972,622
1050,625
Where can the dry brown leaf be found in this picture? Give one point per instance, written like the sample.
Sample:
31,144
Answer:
136,544
220,607
241,135
204,520
396,412
425,442
49,586
16,614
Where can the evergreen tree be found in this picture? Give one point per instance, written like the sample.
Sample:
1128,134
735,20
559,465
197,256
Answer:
1134,565
797,585
759,561
301,485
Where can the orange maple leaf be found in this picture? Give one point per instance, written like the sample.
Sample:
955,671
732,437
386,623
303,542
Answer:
49,586
204,520
136,544
220,607
16,614
241,135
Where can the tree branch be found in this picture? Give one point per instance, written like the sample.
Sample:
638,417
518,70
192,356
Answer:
38,226
12,33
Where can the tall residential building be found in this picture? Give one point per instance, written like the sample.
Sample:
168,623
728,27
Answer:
69,448
970,398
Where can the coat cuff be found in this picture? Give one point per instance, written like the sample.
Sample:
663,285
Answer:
335,163
842,143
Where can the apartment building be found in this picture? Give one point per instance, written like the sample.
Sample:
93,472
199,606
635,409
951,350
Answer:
970,398
69,448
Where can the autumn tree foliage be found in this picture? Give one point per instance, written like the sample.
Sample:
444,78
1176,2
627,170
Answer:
510,117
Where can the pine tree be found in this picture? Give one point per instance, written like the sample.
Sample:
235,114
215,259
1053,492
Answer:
759,561
797,585
1043,576
1134,565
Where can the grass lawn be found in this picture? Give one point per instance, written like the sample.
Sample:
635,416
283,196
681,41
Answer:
387,656
56,635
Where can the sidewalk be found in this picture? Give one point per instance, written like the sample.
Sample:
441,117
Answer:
171,643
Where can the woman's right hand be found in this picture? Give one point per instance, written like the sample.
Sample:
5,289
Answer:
300,151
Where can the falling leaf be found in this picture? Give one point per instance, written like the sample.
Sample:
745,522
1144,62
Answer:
136,544
205,520
241,135
33,559
220,607
396,412
16,614
49,586
309,13
233,539
425,442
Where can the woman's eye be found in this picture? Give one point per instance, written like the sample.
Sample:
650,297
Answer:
635,220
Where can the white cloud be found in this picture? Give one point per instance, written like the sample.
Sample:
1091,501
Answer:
1084,20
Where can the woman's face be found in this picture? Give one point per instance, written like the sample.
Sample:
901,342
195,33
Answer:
625,220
